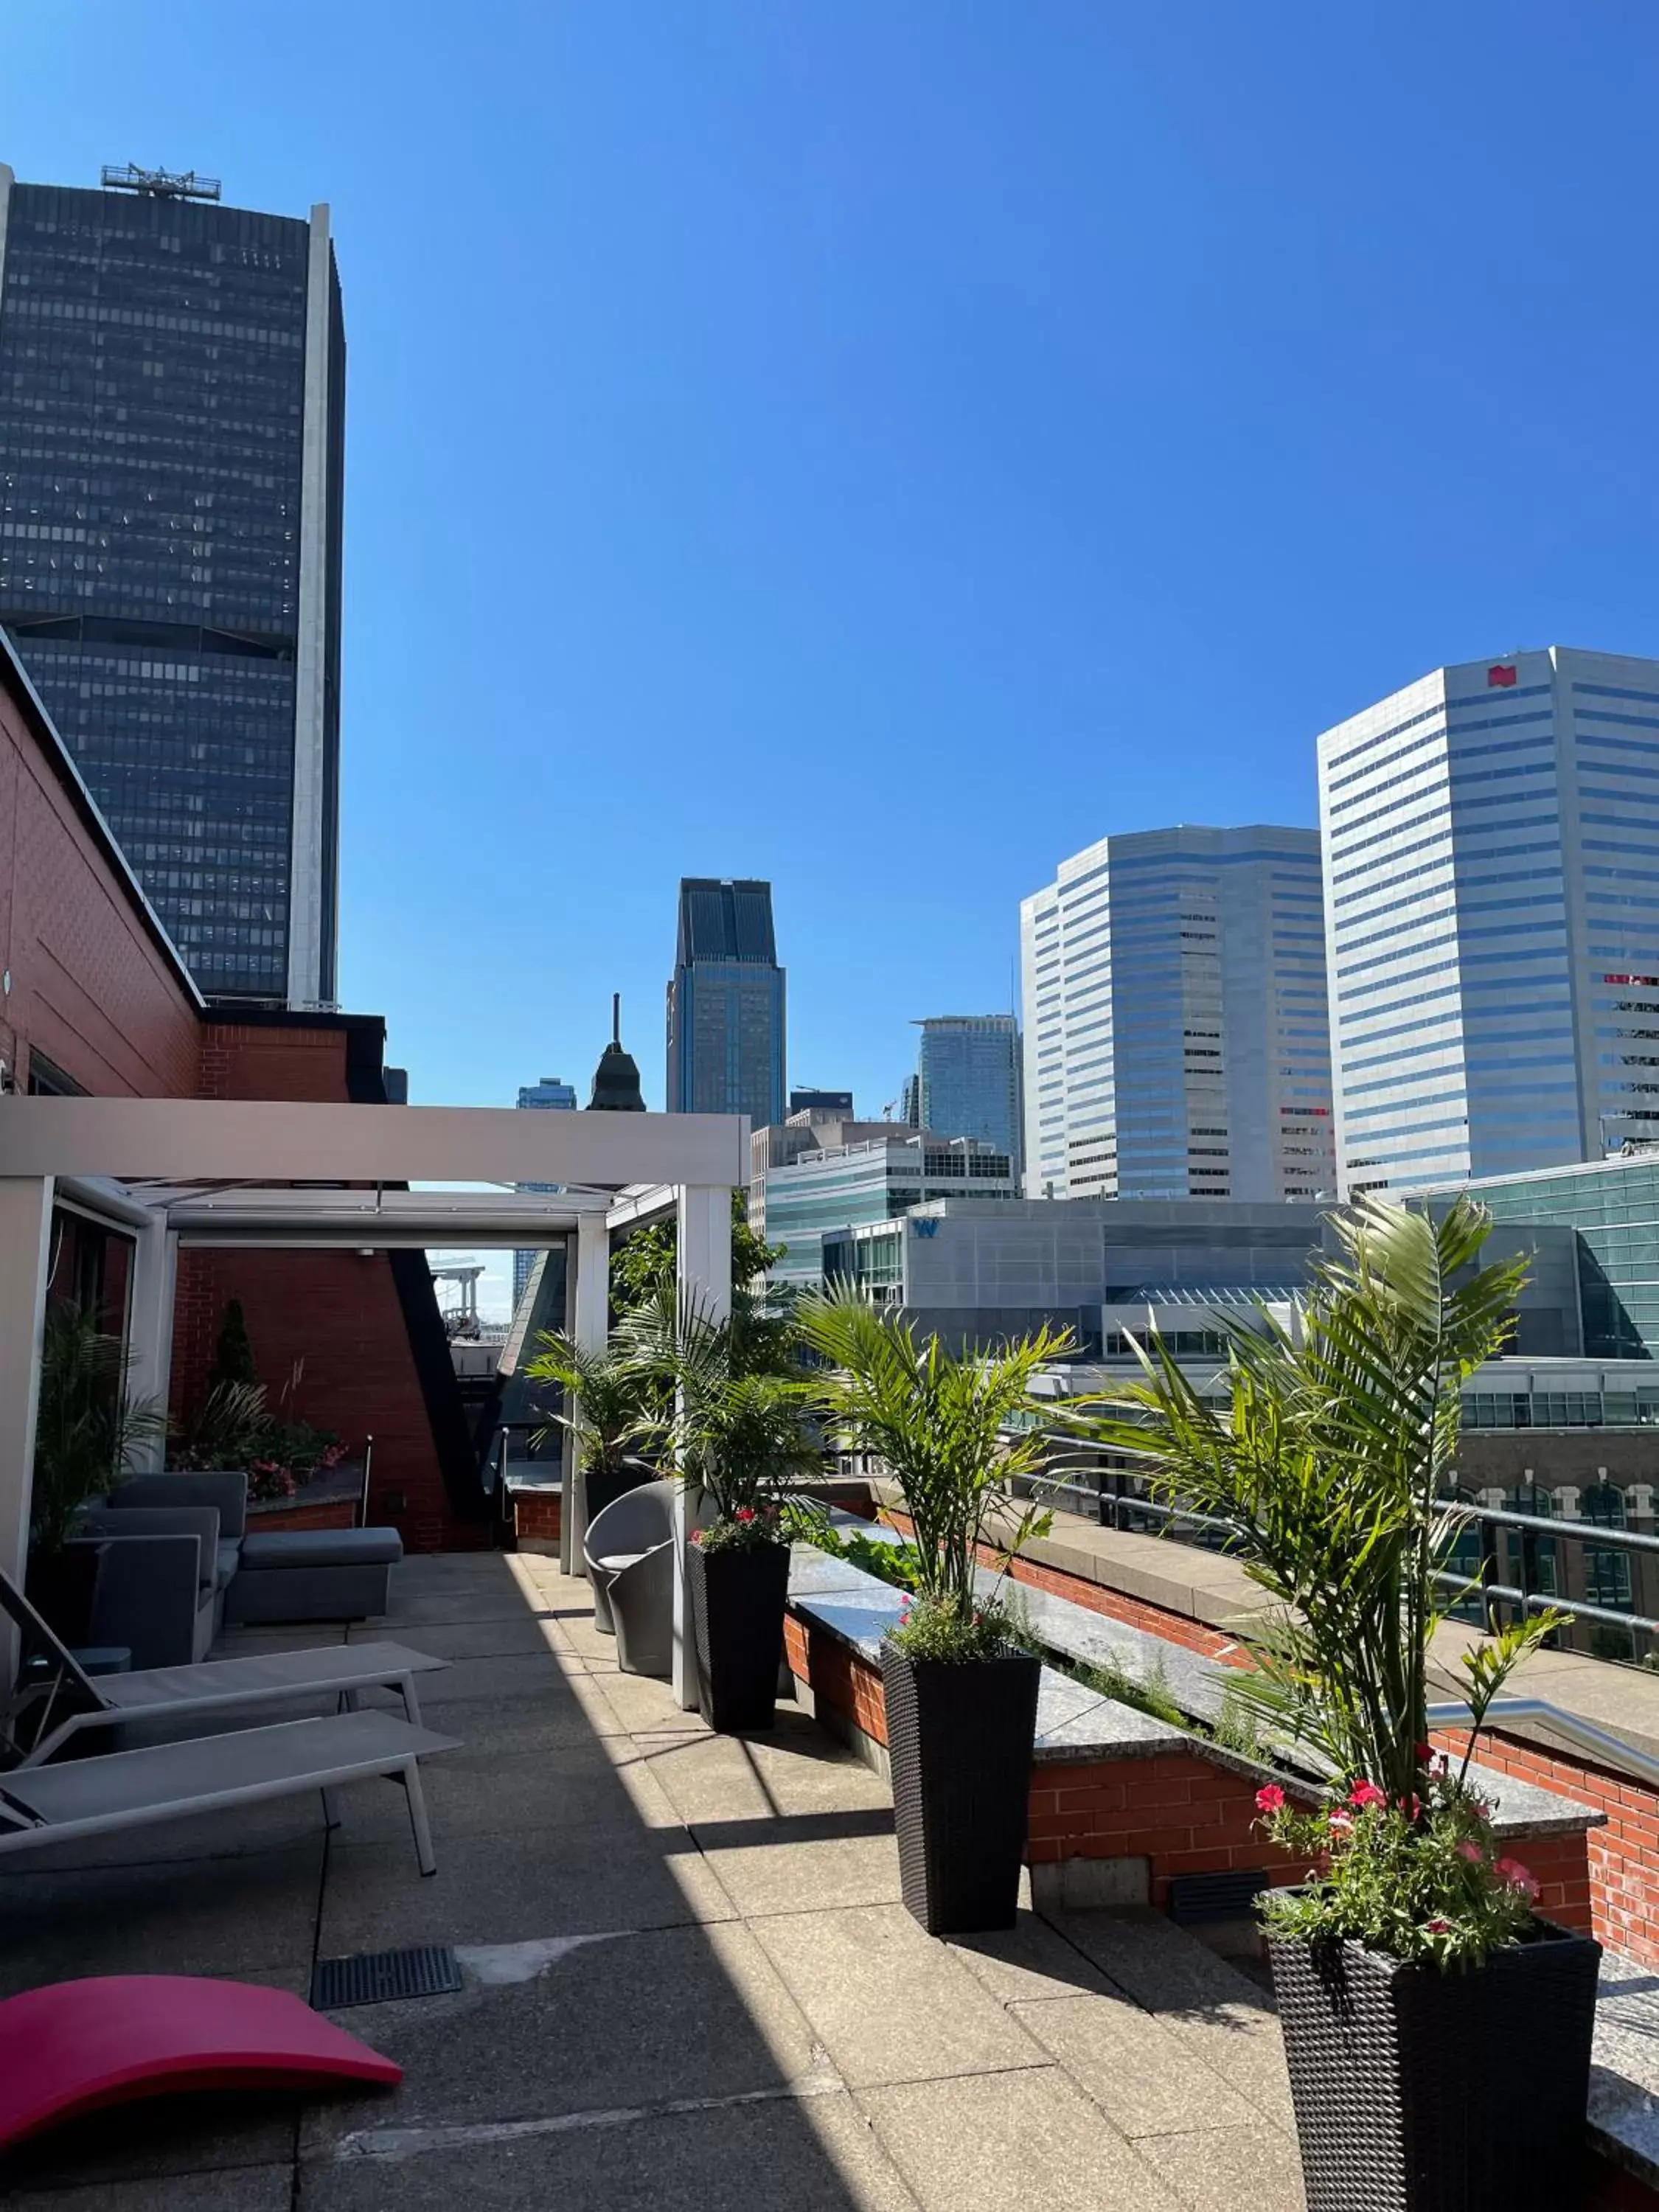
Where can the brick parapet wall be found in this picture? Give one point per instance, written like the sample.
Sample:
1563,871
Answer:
1178,1811
1623,1864
538,1515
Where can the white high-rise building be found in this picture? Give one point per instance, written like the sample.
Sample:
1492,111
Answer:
1492,889
1176,1037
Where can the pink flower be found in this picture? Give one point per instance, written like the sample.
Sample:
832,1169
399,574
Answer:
1437,1926
1471,1851
1518,1877
697,1535
744,1513
1341,1822
1366,1793
1412,1806
1270,1798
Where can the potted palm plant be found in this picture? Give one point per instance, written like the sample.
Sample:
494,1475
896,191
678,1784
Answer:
740,1440
960,1697
608,1404
1411,1971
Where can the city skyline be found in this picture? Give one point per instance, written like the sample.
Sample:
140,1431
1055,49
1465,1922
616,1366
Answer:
715,513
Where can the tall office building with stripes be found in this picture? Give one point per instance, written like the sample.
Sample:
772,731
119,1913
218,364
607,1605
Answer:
1176,1035
1492,904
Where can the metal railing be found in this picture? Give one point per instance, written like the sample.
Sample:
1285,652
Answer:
1615,1751
1111,1495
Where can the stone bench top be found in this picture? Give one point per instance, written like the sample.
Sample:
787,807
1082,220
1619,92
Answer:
1077,1724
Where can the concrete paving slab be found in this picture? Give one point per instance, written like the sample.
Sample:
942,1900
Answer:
1030,1960
782,2154
803,1769
712,1778
1227,2167
217,2135
504,1634
473,1793
988,2142
532,1679
671,2015
1225,2020
783,1872
510,1888
253,2189
249,1915
888,2002
642,1704
1144,2079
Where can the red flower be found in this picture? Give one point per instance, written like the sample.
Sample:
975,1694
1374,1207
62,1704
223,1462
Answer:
1366,1793
1518,1877
1437,1926
1423,1752
1270,1798
1341,1822
697,1535
1412,1806
744,1513
1471,1851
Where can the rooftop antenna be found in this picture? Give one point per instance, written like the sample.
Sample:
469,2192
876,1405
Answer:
616,1020
160,184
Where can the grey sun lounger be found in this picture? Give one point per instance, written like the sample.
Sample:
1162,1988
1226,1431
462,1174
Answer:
56,1698
209,1773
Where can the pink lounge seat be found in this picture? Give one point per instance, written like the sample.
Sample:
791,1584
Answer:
74,2047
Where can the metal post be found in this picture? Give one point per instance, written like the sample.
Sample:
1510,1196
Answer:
704,1269
591,1327
149,1333
25,1268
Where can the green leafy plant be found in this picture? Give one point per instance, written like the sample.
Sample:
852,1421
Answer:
940,1423
744,1439
808,1522
763,1338
88,1427
1329,1458
1424,1881
609,1401
230,1428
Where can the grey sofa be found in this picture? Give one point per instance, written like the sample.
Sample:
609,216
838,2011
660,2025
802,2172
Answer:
177,1562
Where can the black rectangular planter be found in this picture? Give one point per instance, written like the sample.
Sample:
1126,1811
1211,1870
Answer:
737,1598
959,1738
1417,2091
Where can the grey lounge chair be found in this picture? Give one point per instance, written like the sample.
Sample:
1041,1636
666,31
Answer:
55,1698
630,1550
207,1773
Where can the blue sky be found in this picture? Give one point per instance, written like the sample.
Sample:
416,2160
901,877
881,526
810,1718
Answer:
883,447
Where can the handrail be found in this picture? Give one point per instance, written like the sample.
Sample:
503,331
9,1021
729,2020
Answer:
1615,1749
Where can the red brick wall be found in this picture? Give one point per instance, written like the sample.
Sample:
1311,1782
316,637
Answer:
1623,1870
538,1515
1182,1811
91,988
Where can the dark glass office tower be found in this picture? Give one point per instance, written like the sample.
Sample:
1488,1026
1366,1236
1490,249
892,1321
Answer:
172,450
725,1048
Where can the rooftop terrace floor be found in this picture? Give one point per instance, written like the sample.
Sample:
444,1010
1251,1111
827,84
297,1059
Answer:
689,1981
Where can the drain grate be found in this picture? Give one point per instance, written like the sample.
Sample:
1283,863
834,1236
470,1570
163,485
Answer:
427,1969
1196,1899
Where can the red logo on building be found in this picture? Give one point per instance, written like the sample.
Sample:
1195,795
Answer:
1499,679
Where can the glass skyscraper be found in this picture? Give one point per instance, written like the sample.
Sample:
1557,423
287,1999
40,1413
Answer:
725,1004
1491,871
968,1078
171,449
1175,1038
561,1096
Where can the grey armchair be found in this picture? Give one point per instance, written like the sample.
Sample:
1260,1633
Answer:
156,1589
630,1550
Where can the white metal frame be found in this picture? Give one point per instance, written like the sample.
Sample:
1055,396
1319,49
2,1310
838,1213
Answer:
224,1172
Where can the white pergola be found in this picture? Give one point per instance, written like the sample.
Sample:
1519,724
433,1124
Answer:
248,1172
